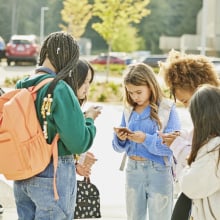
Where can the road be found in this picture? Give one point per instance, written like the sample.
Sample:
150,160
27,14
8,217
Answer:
105,173
20,71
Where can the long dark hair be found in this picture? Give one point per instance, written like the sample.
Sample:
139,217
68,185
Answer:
205,113
63,52
82,68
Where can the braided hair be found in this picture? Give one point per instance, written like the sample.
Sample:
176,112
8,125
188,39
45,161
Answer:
63,52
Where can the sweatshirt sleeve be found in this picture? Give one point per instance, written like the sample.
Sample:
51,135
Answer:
153,140
201,179
76,132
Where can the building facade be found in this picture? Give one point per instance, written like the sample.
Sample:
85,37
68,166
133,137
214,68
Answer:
207,37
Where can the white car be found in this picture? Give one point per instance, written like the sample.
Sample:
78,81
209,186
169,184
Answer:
216,63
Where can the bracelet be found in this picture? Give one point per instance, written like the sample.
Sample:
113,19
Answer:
76,158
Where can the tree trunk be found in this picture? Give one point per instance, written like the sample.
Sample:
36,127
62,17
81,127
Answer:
108,63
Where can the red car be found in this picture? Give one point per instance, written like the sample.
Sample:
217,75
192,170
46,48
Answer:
103,60
22,48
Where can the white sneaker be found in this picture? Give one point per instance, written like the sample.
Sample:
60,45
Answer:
1,209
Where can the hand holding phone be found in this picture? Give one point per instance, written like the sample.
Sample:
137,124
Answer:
123,129
93,112
98,107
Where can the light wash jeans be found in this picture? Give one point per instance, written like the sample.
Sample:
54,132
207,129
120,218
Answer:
149,186
34,197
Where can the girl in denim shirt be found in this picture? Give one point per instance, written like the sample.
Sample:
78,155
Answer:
149,181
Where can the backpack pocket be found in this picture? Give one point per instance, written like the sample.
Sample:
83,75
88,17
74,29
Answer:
9,156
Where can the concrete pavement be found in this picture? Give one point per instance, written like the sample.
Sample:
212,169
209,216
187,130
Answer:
109,212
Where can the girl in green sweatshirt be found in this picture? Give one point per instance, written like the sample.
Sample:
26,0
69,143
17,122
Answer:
34,196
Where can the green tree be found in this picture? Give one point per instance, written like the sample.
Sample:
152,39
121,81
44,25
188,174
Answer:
76,15
115,15
23,17
168,17
127,40
53,16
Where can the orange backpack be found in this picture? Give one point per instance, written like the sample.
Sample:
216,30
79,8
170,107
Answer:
24,151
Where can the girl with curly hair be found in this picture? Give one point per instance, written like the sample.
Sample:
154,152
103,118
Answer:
183,74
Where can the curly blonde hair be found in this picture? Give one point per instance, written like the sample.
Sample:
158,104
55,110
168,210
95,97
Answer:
187,71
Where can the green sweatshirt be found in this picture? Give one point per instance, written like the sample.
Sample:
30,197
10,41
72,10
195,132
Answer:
66,118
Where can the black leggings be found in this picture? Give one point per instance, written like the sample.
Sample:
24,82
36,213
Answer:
182,208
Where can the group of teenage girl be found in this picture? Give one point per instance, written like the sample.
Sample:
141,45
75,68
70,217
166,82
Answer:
191,79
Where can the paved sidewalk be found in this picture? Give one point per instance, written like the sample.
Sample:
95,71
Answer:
10,214
109,212
105,173
7,200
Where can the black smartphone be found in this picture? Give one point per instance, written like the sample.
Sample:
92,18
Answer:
123,129
1,91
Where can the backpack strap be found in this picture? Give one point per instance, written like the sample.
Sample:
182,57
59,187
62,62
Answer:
34,89
41,84
163,113
127,114
55,164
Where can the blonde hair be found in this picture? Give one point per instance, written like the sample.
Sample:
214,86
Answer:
138,75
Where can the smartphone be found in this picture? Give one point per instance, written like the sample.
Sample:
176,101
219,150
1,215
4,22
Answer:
123,129
98,107
160,133
1,91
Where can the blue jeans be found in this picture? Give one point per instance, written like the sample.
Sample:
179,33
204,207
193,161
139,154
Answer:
149,186
34,197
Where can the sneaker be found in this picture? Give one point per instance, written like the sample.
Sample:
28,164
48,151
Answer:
1,209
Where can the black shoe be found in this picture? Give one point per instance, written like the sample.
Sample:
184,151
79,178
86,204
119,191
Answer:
1,209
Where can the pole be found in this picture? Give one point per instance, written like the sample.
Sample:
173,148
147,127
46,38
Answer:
203,28
13,18
42,23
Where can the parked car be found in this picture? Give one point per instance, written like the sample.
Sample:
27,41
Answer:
102,59
154,59
22,48
216,63
2,48
129,60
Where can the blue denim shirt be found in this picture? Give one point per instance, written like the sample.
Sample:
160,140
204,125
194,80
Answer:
152,148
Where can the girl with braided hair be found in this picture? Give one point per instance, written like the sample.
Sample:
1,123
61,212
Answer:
34,197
